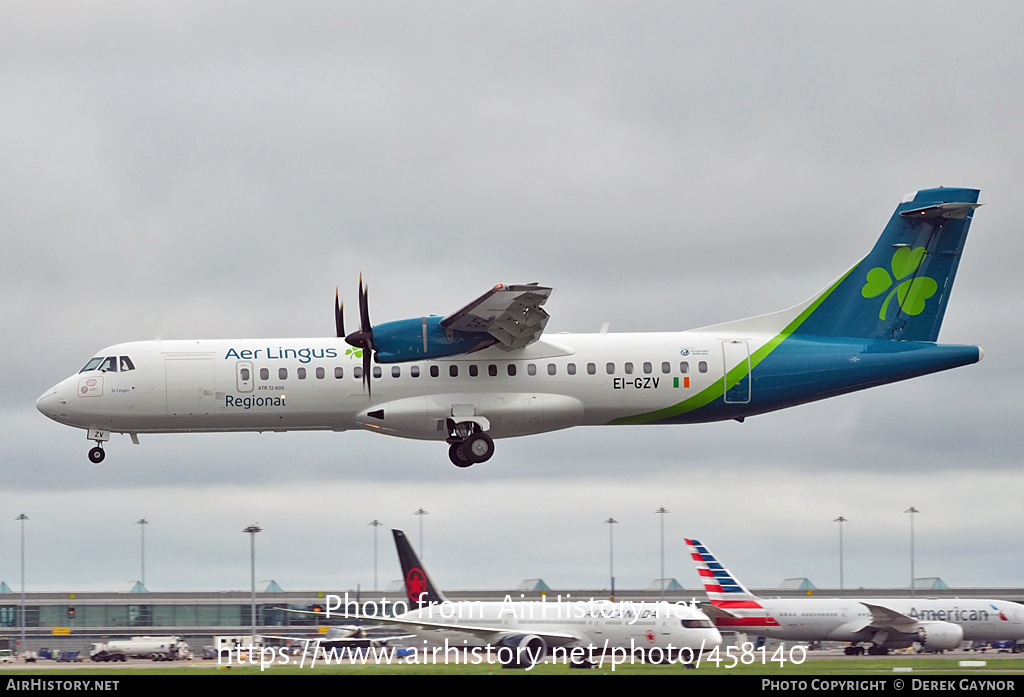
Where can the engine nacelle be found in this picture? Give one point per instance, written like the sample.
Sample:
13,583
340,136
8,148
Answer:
940,636
423,338
521,650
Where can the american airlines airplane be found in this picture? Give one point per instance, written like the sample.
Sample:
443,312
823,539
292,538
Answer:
874,626
486,372
575,631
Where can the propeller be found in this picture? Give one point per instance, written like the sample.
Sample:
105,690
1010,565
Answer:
363,337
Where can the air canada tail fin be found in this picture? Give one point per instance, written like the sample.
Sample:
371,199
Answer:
720,585
900,290
419,589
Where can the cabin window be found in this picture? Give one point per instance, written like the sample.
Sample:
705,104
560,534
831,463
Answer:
702,366
264,373
414,371
453,370
492,370
473,370
591,369
531,369
684,367
512,370
666,367
244,374
126,364
282,373
300,373
552,369
434,371
571,369
376,371
648,368
629,368
339,372
610,368
320,373
396,371
357,372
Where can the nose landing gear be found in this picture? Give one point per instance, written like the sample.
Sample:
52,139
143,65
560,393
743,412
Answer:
96,455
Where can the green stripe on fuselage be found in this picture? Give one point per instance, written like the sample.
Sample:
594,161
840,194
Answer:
716,390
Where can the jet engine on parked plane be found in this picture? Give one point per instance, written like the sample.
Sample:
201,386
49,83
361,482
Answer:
527,649
940,636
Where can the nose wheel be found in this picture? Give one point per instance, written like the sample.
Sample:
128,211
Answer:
96,455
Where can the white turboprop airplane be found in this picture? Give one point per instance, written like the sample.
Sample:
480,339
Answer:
871,625
484,372
520,633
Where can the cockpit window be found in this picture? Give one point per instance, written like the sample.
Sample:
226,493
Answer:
126,364
109,364
92,365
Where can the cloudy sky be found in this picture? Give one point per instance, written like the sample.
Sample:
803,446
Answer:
215,169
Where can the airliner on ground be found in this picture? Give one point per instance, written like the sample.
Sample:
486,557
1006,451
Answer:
874,626
573,630
485,372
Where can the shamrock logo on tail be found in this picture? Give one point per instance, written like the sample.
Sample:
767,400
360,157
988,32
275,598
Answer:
912,293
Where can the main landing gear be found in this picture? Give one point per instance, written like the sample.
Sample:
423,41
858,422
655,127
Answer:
467,445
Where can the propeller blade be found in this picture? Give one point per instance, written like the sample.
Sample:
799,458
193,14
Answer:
362,337
364,306
366,370
339,316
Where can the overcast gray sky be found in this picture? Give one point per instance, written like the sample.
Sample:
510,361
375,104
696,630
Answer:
215,169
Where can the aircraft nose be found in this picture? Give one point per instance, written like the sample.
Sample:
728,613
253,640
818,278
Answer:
49,403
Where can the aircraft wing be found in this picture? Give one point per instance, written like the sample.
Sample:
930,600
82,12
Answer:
512,314
490,635
885,617
715,612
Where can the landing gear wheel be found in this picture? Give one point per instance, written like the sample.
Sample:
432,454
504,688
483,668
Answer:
457,454
96,455
478,447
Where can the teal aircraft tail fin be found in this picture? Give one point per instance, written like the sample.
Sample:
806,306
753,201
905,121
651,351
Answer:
900,290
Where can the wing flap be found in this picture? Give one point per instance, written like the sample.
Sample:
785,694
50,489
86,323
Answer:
512,314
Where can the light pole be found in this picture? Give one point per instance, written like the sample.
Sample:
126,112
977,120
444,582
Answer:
142,523
913,583
22,518
420,512
611,554
376,524
661,579
252,530
840,520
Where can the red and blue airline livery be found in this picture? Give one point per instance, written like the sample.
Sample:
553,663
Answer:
870,625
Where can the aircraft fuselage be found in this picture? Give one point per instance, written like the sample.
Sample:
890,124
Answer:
571,380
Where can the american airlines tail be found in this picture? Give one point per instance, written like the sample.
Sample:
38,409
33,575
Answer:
419,589
722,587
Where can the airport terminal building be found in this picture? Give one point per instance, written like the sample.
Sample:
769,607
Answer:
73,621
